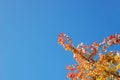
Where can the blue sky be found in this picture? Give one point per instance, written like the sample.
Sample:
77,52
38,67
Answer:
29,31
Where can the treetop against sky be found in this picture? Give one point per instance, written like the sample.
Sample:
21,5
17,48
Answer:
105,66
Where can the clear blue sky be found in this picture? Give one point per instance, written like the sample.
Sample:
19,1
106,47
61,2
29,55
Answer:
29,31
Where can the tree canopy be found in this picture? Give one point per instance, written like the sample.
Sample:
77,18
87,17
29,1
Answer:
106,67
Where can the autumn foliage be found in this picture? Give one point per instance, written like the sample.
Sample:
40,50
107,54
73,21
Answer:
106,67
